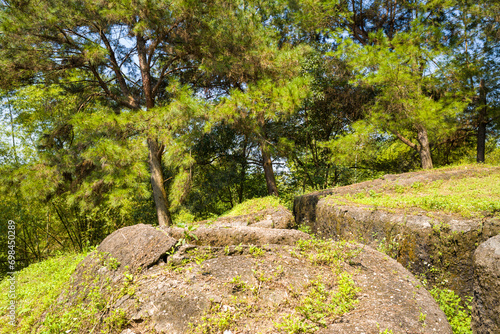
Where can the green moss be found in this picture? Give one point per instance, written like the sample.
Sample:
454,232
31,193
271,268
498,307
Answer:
254,205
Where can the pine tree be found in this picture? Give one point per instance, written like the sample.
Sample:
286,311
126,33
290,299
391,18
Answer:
412,102
271,98
131,52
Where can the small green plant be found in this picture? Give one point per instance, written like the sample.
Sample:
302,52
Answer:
116,320
238,284
421,318
416,185
295,324
199,255
389,247
219,318
320,305
385,331
325,252
305,228
216,319
256,251
188,235
239,248
112,263
458,316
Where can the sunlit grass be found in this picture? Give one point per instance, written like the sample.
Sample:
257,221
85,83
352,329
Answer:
38,287
254,205
472,196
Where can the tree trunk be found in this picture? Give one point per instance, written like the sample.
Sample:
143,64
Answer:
243,172
155,151
267,164
159,194
481,141
424,149
482,122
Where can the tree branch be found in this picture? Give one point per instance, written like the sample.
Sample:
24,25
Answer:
162,75
116,68
152,48
105,87
405,140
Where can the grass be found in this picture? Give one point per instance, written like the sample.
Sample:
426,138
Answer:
472,197
253,205
38,287
42,300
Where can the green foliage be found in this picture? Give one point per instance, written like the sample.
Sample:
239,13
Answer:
218,319
321,303
458,316
232,82
188,235
314,304
291,324
325,252
411,103
87,308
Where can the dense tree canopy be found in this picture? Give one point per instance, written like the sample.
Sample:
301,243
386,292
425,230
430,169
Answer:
121,112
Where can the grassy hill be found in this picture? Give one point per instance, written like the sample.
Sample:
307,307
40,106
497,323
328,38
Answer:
472,191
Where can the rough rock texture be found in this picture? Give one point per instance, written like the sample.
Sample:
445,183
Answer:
137,246
391,298
128,250
223,236
486,303
278,217
253,291
418,240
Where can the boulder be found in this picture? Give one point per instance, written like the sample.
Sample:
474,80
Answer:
390,299
137,246
278,217
247,235
249,289
129,250
486,302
